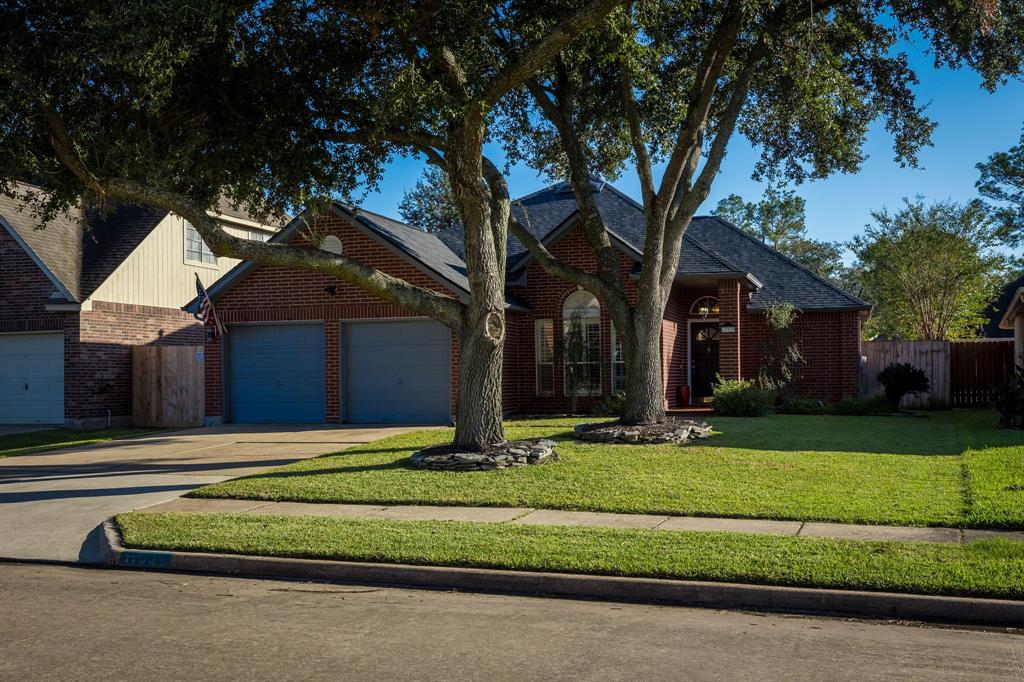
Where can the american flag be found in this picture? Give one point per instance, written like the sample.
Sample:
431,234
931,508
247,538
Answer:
206,312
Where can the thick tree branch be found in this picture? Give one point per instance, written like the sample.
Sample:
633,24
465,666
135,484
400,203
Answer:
222,243
545,49
643,157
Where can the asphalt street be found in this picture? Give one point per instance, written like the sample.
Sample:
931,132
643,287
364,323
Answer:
62,622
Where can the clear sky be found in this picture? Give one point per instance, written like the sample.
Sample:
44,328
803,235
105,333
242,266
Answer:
972,124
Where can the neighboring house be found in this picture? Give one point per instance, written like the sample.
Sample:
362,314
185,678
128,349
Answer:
77,293
1007,318
305,347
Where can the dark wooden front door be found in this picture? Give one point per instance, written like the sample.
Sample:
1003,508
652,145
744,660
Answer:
703,360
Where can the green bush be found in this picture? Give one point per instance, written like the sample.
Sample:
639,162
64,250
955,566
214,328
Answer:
848,406
742,398
1009,400
900,379
804,406
861,407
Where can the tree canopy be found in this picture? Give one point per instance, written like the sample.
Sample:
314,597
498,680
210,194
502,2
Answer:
429,204
672,82
929,269
779,220
1002,183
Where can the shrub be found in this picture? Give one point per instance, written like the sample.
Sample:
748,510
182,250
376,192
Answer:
803,406
1009,400
860,407
742,398
848,406
900,379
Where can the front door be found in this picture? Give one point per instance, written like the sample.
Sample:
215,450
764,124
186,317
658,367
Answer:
703,360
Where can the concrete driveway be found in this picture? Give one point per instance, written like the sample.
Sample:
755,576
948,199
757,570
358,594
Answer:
51,502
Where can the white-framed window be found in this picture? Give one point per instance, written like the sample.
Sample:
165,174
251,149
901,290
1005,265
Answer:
258,236
581,336
196,250
705,306
618,365
544,355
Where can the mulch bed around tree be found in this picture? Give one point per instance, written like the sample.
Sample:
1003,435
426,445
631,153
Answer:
679,431
509,454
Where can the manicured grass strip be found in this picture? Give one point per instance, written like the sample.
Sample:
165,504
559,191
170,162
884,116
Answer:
995,483
884,470
992,568
58,439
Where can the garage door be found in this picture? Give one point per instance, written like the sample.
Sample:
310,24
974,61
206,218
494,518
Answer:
32,378
276,374
396,372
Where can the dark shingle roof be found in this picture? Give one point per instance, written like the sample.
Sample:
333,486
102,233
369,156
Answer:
425,247
82,248
711,246
994,313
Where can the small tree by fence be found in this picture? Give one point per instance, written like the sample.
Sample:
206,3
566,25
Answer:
961,373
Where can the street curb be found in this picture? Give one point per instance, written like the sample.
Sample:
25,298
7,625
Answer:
884,605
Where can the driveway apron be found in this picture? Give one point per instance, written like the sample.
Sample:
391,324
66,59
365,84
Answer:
51,503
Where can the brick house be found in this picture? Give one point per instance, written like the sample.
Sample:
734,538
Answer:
78,293
304,347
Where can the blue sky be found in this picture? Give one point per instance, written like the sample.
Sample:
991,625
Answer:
972,124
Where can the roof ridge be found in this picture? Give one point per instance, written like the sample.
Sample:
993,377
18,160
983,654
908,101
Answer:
711,252
791,261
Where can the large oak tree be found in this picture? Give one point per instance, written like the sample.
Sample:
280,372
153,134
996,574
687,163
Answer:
673,82
278,104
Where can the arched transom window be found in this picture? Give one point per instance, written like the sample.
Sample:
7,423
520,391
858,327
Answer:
581,328
705,306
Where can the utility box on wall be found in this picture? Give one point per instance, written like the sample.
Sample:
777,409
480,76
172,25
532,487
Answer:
168,386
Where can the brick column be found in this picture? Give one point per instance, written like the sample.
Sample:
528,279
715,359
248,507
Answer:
730,302
332,377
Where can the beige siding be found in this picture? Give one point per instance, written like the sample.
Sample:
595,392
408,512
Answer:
156,273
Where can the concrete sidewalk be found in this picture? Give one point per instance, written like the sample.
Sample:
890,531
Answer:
552,517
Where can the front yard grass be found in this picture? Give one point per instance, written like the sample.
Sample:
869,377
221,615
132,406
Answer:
58,439
949,469
992,568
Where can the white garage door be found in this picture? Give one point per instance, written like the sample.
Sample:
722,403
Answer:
32,378
396,372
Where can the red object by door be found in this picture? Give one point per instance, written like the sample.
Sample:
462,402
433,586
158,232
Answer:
684,396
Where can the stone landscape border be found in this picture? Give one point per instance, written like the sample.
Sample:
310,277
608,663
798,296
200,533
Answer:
512,454
886,605
672,431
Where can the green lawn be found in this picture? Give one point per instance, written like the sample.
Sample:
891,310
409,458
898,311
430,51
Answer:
56,439
949,468
991,568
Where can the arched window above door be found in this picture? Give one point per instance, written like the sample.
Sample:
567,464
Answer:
705,306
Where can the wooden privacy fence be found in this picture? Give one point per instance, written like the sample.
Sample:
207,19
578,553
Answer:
962,373
168,386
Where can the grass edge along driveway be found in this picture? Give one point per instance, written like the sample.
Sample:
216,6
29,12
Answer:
29,442
946,469
991,568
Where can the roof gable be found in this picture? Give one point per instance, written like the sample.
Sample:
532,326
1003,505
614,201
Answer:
79,249
422,249
711,247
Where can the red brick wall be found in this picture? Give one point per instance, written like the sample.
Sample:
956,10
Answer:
282,294
24,291
98,355
545,295
830,344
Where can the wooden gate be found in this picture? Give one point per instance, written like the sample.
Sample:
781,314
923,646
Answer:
168,386
976,367
930,356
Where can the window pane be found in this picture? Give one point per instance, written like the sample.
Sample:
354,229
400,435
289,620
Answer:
195,249
544,354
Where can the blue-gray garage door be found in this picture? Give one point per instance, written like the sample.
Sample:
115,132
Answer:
396,372
32,378
276,374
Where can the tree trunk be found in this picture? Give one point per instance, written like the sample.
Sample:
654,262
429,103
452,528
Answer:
645,389
478,415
